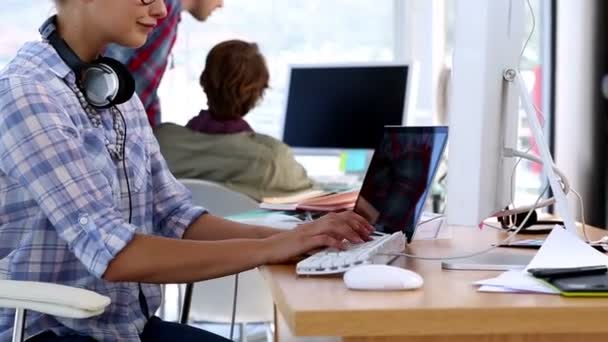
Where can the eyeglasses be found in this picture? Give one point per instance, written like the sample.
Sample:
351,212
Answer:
147,2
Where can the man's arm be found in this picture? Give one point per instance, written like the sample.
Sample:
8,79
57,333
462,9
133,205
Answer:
212,228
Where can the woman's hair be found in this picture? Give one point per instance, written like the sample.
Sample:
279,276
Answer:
234,79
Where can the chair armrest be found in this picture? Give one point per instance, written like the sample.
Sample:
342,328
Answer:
52,299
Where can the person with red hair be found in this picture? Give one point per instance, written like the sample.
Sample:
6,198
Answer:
218,144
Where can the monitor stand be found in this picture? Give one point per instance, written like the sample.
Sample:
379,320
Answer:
491,261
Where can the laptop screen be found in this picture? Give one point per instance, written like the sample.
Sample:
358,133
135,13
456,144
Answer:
399,177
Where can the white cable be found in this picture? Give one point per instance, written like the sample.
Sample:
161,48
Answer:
521,57
501,229
431,220
470,255
523,49
565,183
564,180
512,202
582,206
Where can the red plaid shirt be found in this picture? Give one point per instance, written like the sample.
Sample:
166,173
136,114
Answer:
149,62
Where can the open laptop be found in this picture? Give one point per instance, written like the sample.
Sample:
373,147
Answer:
399,177
392,197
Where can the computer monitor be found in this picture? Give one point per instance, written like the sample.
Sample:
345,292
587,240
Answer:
483,114
484,109
346,106
400,175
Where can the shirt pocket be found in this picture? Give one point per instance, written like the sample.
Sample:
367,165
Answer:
95,144
138,163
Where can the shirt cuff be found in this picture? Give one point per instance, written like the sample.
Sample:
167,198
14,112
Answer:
181,221
97,247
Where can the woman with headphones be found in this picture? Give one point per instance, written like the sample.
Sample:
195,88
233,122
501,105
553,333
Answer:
86,198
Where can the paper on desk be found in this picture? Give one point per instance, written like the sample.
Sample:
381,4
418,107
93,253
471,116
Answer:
516,281
560,249
267,218
563,249
497,289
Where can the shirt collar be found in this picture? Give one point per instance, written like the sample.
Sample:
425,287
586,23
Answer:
56,64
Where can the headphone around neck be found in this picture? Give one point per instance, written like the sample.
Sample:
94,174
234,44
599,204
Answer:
105,83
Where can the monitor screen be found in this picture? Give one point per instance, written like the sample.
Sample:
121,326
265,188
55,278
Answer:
399,177
343,107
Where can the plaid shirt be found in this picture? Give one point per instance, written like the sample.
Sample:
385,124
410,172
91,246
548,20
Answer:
64,201
148,63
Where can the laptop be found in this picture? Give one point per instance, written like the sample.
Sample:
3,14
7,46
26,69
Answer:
399,177
392,198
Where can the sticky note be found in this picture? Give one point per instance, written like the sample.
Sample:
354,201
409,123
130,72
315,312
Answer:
353,161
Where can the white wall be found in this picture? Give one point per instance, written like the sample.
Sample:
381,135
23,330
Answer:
574,93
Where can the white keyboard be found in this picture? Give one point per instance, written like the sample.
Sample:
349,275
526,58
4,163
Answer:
332,261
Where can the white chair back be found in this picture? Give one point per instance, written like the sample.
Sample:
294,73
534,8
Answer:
212,299
218,199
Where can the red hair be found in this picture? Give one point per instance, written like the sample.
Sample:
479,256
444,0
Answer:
234,79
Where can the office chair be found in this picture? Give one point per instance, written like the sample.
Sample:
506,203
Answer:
211,300
51,299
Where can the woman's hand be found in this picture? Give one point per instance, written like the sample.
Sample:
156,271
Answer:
329,231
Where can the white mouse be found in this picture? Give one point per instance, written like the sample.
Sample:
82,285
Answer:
381,277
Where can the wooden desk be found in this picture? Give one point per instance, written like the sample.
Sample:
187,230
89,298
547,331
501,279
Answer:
447,308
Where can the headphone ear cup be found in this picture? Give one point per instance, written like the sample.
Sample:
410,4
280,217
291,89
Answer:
126,83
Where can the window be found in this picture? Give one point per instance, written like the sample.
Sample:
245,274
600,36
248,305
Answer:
20,22
288,32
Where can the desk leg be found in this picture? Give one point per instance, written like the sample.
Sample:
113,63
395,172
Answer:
485,338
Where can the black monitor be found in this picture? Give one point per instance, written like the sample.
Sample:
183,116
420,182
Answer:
344,107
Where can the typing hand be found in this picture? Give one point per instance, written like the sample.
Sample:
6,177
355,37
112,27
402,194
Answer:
329,231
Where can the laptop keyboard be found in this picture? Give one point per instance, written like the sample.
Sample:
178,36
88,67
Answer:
332,261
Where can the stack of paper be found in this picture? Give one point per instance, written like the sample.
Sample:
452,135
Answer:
561,249
315,200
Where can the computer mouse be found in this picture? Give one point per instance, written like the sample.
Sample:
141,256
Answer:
381,277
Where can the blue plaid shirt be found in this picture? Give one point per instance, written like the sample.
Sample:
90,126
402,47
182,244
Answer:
63,200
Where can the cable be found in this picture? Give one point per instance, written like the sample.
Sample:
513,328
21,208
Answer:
124,162
582,206
495,227
526,155
511,223
505,241
233,318
431,219
521,58
523,49
565,185
143,303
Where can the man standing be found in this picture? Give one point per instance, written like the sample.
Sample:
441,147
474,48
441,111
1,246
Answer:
148,63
